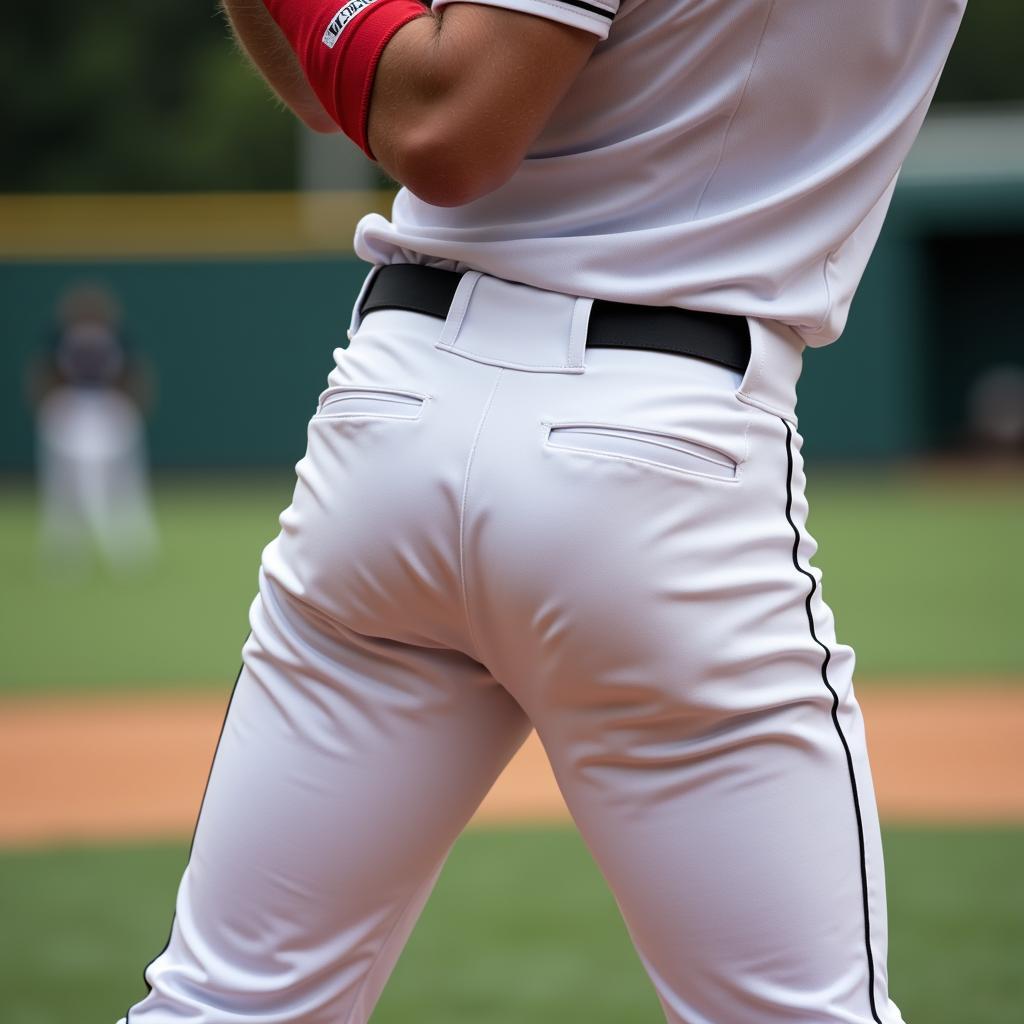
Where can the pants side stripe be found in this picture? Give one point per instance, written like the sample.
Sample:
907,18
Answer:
835,721
192,843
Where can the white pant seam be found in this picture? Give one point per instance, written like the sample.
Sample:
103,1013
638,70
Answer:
467,614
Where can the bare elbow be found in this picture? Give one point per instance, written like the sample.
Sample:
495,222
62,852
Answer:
440,186
448,169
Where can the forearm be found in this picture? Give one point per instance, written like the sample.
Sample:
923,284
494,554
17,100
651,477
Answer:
264,44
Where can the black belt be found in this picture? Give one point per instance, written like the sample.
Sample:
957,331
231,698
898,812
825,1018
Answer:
717,337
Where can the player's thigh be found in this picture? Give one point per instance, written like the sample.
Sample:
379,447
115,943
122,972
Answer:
346,768
738,870
699,715
379,749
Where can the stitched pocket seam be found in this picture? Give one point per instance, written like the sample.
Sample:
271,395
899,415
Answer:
649,438
332,402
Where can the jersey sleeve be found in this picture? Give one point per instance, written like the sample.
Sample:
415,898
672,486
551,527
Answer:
590,15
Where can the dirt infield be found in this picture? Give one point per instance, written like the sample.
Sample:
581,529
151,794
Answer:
130,767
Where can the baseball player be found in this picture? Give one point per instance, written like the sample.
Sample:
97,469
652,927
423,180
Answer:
555,482
90,393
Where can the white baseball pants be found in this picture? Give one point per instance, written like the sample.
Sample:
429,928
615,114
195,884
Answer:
495,529
94,485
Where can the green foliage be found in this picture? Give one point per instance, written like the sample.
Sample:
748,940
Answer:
985,65
108,96
520,928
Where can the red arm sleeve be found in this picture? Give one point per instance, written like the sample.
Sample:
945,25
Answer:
339,49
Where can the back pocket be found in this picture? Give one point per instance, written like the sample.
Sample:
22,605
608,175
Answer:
629,444
380,403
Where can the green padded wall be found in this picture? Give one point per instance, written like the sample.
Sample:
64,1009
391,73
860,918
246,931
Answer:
240,349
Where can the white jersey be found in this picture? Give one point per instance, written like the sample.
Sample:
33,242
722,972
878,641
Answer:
736,156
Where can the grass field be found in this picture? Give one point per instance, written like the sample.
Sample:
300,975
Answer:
924,573
519,929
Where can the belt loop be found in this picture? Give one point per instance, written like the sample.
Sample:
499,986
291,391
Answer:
457,310
776,359
357,308
578,329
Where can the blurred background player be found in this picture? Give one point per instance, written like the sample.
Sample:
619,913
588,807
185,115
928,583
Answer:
89,394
